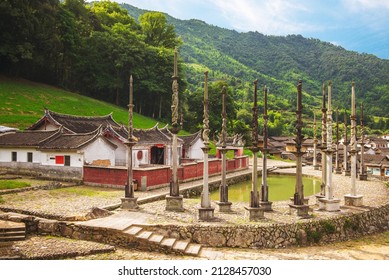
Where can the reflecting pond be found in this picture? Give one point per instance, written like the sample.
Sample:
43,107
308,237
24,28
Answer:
281,187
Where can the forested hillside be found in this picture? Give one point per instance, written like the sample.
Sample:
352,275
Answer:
92,48
279,61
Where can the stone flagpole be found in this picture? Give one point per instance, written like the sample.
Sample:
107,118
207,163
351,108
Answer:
298,207
224,204
329,203
345,144
315,165
352,198
362,173
129,201
323,146
265,203
254,209
206,212
174,201
337,167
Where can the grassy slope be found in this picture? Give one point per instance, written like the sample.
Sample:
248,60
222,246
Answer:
22,103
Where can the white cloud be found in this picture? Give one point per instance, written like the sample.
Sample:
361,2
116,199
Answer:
361,5
266,16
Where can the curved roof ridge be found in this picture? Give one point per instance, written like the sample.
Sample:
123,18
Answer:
146,129
81,117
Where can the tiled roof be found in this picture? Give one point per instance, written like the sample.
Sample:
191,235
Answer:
189,140
374,159
152,136
74,124
26,138
73,141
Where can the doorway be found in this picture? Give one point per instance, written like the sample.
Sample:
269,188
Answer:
157,155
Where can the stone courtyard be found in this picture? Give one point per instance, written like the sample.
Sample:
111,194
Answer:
72,205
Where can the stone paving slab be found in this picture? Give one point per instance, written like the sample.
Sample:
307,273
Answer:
120,221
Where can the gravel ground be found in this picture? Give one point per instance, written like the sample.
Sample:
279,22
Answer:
374,247
47,248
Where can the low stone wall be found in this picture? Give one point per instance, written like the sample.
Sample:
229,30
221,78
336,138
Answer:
339,228
113,237
64,173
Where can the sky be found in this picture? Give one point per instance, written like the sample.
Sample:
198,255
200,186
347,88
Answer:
357,25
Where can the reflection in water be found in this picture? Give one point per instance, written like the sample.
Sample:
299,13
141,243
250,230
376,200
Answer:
281,187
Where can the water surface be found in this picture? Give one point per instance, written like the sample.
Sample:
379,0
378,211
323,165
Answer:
281,187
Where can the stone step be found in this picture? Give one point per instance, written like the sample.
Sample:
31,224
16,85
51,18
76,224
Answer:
144,234
193,249
168,242
180,245
11,238
12,233
12,229
133,230
156,238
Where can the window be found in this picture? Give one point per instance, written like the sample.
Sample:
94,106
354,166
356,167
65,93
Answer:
29,157
14,156
67,160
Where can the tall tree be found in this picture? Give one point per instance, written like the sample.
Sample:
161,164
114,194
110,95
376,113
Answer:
157,31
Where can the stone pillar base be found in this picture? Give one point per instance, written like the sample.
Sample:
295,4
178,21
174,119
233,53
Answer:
347,173
353,200
330,205
363,177
224,206
299,210
256,213
174,203
316,167
338,171
305,200
129,203
206,214
266,205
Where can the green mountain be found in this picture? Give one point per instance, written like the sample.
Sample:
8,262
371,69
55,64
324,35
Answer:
279,61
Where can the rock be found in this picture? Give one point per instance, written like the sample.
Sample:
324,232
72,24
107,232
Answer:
98,213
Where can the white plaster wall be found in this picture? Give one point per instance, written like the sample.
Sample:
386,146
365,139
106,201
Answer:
195,151
99,150
48,127
76,159
120,152
6,154
145,156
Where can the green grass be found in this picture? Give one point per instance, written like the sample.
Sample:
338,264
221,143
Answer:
87,191
23,102
10,184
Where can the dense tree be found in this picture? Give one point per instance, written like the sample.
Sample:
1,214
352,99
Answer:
158,33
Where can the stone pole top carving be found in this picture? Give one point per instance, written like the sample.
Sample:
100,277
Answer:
255,119
175,104
206,113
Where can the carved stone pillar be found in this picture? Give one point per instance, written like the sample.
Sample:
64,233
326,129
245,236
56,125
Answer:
206,212
129,202
174,201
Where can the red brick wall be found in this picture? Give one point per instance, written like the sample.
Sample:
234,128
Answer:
105,176
159,175
155,177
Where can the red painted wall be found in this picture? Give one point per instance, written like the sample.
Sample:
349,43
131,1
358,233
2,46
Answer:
158,175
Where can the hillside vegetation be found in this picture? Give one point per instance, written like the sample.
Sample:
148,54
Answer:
279,61
92,48
23,103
